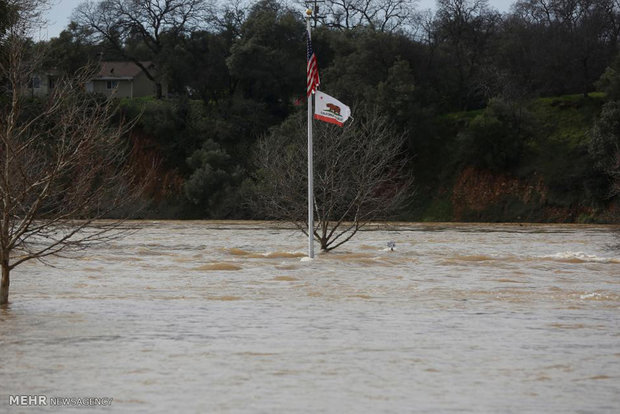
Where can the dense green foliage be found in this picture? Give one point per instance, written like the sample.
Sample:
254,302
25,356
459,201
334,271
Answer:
483,98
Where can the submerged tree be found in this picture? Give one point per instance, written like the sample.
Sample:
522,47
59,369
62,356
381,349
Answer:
359,175
62,164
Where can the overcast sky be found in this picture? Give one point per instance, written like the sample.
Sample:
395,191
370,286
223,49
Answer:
59,15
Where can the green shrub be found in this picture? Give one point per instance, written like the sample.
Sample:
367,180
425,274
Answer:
496,138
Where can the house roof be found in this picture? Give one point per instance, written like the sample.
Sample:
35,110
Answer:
120,70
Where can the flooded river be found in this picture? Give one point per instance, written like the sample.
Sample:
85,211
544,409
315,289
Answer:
201,317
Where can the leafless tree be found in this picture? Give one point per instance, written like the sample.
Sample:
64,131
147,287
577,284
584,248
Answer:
116,21
465,28
359,175
381,15
581,34
62,166
229,16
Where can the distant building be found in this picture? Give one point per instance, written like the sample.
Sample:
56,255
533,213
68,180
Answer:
124,80
41,83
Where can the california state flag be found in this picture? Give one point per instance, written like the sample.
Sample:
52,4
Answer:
329,109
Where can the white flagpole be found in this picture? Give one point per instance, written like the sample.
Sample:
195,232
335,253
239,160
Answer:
310,171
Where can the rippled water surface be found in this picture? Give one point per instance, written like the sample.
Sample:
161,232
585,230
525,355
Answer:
196,317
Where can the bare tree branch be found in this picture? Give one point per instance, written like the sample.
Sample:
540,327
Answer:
117,21
359,175
63,162
381,15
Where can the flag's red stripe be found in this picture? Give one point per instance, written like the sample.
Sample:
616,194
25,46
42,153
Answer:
312,69
312,75
327,119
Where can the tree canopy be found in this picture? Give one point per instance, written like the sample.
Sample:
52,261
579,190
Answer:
459,83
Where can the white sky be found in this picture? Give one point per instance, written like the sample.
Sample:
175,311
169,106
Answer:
60,13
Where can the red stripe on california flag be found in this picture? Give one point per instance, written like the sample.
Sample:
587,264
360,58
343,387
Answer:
327,119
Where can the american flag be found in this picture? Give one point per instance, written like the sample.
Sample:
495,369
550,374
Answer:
312,72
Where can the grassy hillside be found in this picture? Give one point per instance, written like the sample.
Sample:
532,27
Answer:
509,162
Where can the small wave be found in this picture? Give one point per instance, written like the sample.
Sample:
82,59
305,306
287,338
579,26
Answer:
218,266
285,279
92,269
475,258
287,266
580,257
366,259
186,259
145,251
362,296
367,247
568,325
352,256
225,298
283,255
270,255
237,252
600,377
598,296
256,354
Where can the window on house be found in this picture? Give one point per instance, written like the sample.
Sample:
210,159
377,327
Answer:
36,82
112,84
51,82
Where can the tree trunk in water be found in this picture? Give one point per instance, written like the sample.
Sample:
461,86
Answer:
4,285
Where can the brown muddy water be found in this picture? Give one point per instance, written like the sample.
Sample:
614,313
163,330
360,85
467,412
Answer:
201,317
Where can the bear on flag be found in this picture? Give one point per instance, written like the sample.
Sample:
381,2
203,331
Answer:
329,109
